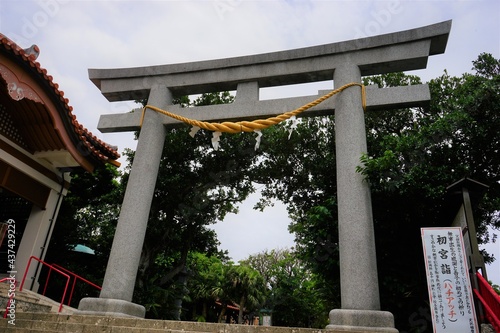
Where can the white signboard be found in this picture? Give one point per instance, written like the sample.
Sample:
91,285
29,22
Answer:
450,293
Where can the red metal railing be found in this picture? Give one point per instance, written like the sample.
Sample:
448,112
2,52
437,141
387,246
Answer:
51,267
75,277
63,271
11,295
490,301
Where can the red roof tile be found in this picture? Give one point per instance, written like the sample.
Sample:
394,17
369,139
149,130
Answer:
99,149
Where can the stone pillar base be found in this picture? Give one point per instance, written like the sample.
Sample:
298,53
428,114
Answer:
361,321
110,307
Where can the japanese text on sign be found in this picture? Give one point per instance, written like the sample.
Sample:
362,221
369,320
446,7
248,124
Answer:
450,292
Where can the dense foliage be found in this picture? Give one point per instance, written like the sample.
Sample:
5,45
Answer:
88,217
295,294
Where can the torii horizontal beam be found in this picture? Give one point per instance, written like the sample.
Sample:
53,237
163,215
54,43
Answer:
393,52
245,108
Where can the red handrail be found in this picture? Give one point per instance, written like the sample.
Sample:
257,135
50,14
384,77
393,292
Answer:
11,295
51,268
490,301
76,277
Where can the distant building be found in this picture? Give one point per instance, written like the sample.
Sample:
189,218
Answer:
40,143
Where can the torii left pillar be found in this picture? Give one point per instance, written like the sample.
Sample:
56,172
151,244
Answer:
119,281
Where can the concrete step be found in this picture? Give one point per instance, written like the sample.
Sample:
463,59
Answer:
29,301
26,322
50,322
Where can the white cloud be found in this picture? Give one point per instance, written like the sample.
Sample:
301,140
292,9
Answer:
251,231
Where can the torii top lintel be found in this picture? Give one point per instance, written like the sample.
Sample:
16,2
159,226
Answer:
393,52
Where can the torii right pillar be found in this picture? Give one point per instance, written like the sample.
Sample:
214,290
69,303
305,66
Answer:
358,262
360,299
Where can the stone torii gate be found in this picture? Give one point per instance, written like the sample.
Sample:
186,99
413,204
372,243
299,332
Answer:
344,62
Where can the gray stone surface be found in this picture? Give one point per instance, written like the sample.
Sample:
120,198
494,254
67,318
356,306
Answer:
247,106
358,262
487,328
399,51
123,262
361,320
24,305
89,324
110,307
125,254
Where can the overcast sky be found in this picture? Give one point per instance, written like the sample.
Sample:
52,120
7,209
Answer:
76,35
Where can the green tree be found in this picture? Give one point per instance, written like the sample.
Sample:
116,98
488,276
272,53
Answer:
495,287
299,170
92,199
247,288
224,292
88,216
295,294
207,275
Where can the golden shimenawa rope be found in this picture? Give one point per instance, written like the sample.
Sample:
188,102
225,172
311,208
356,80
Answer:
259,124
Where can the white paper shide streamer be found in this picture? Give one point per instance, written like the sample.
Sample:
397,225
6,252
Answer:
215,140
257,138
193,131
293,126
